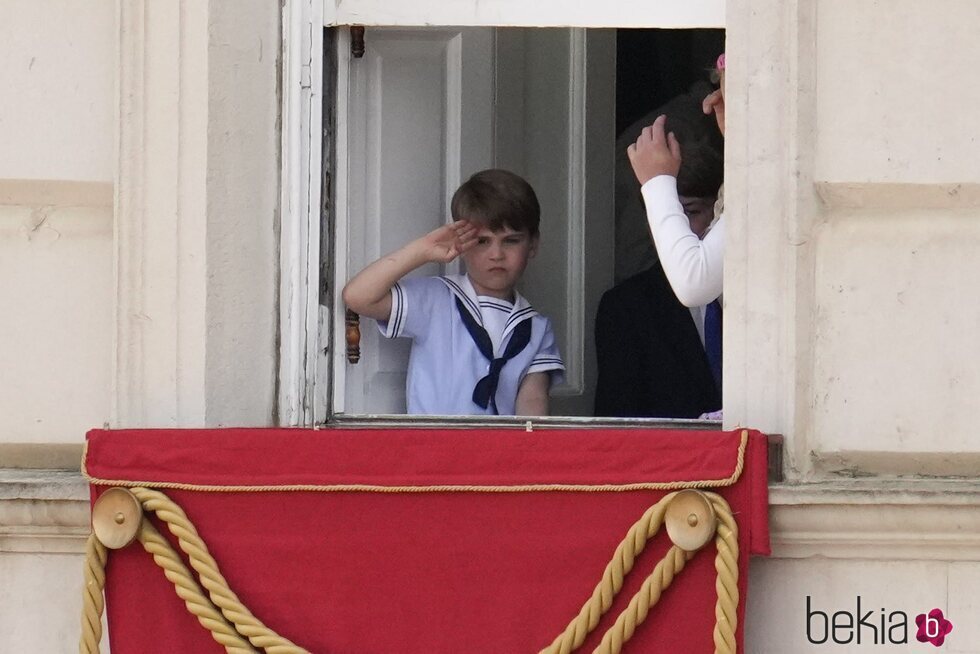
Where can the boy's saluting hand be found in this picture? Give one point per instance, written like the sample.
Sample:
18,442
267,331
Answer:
369,292
654,153
445,243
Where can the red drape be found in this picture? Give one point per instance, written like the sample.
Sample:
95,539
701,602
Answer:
451,571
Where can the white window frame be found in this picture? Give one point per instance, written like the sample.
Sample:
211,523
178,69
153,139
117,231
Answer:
305,331
300,212
519,13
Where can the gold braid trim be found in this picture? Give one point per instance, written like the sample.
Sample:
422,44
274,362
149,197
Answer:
442,488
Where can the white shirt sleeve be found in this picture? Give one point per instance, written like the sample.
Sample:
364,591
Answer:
694,267
412,302
547,358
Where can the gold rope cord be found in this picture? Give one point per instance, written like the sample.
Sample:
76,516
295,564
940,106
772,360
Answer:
726,585
187,588
93,602
211,578
612,579
230,623
641,603
227,619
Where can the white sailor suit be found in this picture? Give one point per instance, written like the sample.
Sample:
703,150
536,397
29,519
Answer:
450,370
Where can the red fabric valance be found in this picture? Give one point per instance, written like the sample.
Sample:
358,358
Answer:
349,541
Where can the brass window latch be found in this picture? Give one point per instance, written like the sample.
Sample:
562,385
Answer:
352,332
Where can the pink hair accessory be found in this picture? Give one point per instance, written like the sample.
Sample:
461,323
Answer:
720,64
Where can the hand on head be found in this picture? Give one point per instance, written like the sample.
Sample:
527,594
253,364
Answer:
445,243
655,153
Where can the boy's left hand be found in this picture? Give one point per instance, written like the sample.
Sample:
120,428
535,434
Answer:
654,153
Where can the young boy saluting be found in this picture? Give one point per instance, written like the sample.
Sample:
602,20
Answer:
478,346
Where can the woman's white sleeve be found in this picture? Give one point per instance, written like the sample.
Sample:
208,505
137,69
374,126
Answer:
694,267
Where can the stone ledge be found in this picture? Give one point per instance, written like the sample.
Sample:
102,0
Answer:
870,490
43,511
906,467
19,484
50,456
877,519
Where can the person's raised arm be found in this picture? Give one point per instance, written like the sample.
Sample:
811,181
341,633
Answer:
369,292
693,266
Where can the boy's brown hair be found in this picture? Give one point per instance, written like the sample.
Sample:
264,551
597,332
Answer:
497,199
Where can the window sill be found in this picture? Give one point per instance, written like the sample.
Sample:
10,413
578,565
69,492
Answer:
530,423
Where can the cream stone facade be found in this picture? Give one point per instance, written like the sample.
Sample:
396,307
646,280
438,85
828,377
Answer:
159,245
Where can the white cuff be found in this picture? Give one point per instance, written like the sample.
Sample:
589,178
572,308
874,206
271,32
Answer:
395,325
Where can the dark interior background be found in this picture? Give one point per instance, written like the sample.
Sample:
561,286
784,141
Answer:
654,65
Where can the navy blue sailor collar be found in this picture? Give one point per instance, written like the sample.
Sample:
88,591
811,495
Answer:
461,287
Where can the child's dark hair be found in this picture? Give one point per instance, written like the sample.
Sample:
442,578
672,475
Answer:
702,146
497,199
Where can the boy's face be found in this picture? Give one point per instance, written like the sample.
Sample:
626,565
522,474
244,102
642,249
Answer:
498,259
700,212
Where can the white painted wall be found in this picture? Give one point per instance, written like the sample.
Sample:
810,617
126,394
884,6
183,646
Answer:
59,55
139,187
243,212
56,330
196,215
851,191
56,172
895,321
905,121
42,602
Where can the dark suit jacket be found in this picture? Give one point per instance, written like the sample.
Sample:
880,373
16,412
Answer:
651,361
